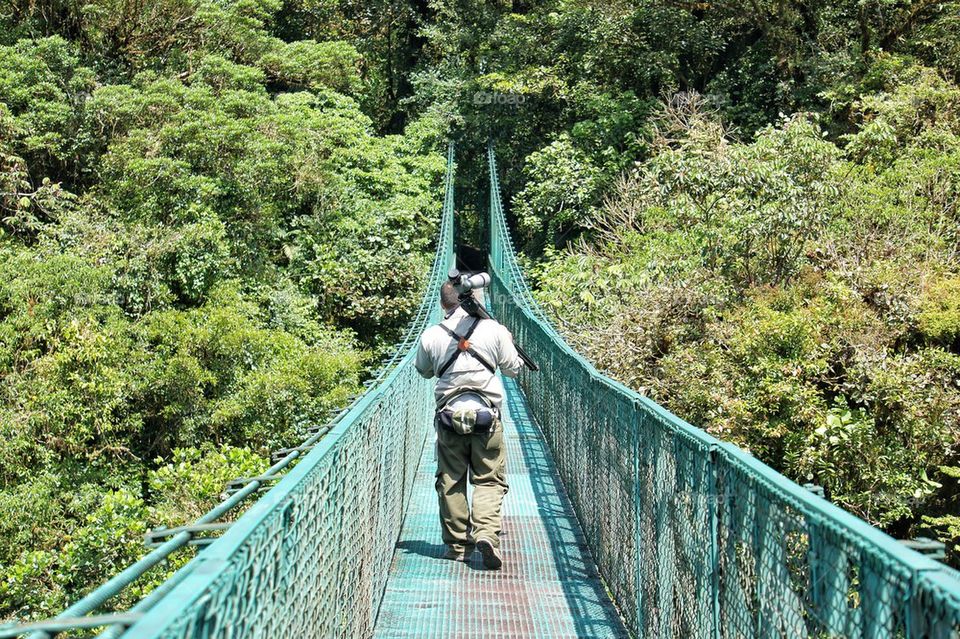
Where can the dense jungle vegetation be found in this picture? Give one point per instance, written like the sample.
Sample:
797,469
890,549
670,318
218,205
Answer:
207,234
216,214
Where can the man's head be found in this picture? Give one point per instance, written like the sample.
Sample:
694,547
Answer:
449,298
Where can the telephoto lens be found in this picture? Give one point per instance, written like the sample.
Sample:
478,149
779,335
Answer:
465,284
478,280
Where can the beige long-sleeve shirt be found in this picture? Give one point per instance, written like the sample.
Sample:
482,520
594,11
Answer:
491,339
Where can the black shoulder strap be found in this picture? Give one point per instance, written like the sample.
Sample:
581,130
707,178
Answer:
463,346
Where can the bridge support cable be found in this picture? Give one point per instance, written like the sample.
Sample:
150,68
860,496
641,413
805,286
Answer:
693,536
311,556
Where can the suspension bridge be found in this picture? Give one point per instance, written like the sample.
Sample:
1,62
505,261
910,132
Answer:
622,520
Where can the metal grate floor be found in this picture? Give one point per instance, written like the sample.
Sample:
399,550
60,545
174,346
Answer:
548,586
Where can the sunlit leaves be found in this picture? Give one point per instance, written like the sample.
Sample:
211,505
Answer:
789,299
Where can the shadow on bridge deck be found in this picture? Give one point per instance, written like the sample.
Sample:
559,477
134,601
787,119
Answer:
548,586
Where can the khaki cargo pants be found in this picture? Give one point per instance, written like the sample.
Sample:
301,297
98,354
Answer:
483,458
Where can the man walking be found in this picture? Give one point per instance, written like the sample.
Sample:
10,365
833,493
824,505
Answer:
463,353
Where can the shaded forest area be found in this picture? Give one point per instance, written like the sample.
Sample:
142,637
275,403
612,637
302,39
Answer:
215,214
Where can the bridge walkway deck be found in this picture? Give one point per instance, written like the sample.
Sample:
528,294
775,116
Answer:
548,586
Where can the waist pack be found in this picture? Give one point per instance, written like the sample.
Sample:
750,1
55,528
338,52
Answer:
467,421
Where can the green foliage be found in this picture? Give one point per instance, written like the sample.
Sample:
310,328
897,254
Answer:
789,300
948,532
203,242
40,83
313,65
833,455
921,108
260,387
299,180
190,483
102,531
89,383
220,74
562,185
939,316
70,530
750,209
935,40
943,520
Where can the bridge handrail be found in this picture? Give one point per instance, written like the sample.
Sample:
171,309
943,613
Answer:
182,605
693,536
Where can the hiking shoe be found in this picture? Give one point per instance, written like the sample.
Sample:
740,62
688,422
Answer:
491,554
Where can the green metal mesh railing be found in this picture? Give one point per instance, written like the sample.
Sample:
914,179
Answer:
310,558
694,537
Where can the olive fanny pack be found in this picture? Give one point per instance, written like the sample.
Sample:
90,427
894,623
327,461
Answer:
467,421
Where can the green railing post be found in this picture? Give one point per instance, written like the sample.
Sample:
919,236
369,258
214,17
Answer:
716,497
